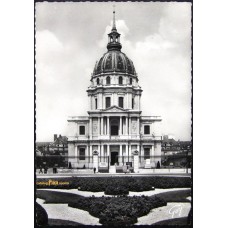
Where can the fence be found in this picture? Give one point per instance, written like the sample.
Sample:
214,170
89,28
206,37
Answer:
104,162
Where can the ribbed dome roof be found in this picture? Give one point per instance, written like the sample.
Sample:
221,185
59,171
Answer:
114,61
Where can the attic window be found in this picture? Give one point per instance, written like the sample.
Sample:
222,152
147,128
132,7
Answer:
121,102
82,130
147,129
108,102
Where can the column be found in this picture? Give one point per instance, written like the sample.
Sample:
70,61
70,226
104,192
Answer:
102,153
129,125
76,151
138,127
136,163
108,151
126,130
76,156
138,103
108,131
112,100
102,125
152,154
127,153
98,126
90,127
127,102
121,125
86,155
142,154
90,152
121,156
105,125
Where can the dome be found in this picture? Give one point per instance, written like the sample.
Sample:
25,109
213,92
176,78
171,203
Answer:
114,61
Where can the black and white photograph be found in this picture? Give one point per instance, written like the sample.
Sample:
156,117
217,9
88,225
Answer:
113,113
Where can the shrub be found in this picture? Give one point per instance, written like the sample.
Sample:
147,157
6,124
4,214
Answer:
120,210
41,215
116,190
138,184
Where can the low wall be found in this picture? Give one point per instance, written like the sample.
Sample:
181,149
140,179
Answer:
164,171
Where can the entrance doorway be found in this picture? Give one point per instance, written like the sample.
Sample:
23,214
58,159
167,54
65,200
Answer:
114,158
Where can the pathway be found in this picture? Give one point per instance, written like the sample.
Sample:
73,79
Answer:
63,212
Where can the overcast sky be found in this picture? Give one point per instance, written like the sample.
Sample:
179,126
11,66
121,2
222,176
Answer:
71,37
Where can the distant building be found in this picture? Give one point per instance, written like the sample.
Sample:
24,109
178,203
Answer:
176,153
52,153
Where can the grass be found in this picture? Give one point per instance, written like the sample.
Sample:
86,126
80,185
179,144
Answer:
175,196
57,197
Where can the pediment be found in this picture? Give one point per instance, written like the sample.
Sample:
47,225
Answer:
114,109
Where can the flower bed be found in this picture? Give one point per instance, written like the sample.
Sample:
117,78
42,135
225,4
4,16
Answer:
118,211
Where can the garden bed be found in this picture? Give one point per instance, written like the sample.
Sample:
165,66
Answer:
119,185
118,211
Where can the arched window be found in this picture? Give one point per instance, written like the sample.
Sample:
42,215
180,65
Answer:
108,80
98,81
120,80
130,81
95,103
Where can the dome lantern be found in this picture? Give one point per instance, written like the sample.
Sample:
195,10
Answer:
114,37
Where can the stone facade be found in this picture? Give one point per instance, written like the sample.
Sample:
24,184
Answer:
114,126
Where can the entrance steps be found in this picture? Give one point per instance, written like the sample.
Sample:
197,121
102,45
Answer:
112,169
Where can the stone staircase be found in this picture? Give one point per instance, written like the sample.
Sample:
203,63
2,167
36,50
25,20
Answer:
112,169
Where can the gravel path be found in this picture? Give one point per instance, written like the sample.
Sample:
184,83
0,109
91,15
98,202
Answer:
62,211
172,210
100,194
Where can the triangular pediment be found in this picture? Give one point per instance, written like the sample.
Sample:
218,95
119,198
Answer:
114,109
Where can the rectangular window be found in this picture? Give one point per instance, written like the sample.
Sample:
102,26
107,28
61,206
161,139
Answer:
82,130
95,103
146,129
121,102
82,154
132,103
107,102
146,153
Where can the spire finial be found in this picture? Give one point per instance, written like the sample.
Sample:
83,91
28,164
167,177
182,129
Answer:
114,19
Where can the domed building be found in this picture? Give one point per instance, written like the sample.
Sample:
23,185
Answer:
114,128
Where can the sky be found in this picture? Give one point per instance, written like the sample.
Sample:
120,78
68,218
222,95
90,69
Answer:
71,37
